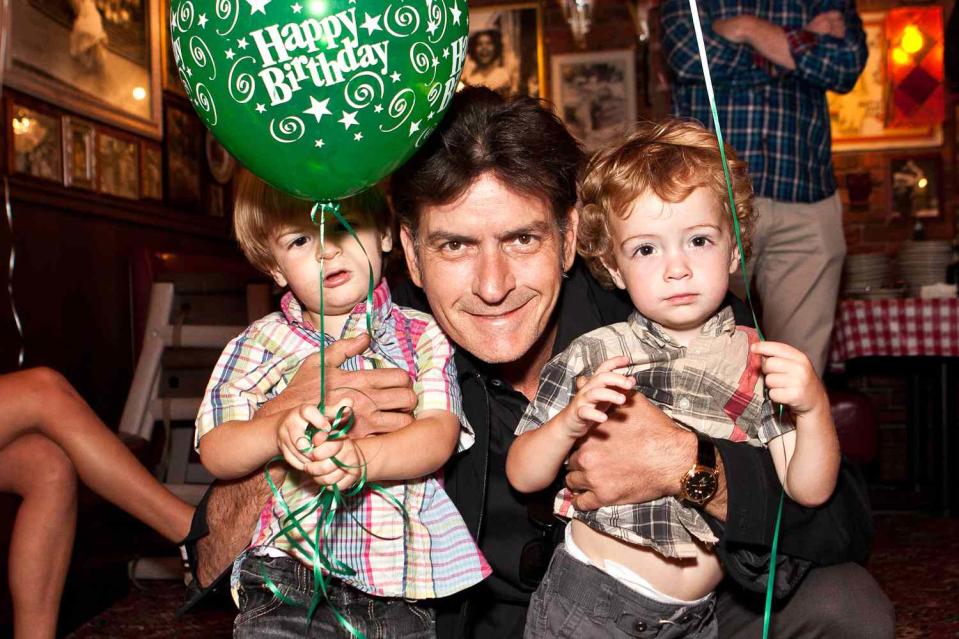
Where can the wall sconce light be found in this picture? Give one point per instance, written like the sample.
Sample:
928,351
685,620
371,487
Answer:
579,15
915,67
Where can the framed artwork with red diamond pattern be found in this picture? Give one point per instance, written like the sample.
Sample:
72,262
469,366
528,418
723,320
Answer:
859,118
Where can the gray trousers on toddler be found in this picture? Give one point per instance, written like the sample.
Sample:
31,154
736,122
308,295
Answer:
579,601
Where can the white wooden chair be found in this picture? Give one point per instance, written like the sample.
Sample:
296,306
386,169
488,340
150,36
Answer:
189,318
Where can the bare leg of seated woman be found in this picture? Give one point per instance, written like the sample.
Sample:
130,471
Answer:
38,470
46,428
41,401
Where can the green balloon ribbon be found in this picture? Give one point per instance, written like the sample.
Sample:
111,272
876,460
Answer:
742,264
330,499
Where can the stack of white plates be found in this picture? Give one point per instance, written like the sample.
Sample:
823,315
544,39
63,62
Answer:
924,262
866,273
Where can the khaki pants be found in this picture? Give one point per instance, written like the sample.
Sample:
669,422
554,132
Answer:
797,257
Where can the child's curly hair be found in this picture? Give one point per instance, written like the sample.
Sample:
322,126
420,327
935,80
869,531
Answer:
672,158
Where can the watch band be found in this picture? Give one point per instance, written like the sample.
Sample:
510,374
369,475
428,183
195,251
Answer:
705,451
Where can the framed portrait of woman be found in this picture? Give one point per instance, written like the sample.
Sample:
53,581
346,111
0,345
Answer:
99,58
505,50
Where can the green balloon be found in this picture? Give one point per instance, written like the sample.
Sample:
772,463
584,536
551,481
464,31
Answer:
320,98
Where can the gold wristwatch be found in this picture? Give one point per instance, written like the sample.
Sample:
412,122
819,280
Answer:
700,483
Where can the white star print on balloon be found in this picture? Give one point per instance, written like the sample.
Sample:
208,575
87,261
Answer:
258,6
318,108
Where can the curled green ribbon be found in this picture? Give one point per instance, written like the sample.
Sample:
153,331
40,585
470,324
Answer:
697,26
330,499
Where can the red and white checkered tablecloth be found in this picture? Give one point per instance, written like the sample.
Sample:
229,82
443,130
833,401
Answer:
894,328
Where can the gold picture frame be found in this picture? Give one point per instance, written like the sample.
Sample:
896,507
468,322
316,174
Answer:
36,147
595,94
857,118
151,171
118,164
115,80
79,153
169,75
184,151
510,37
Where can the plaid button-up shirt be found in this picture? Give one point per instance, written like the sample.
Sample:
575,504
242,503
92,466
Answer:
429,555
776,119
713,386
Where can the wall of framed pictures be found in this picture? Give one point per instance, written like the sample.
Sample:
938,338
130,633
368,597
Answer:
51,146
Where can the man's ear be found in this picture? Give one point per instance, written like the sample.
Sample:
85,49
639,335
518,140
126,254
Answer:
409,252
569,239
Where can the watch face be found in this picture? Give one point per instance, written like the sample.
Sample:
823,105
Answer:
700,486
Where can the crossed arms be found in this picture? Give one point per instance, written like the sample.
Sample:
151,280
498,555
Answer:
829,51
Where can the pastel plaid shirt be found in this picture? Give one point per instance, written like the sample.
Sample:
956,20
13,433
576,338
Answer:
776,119
432,553
713,386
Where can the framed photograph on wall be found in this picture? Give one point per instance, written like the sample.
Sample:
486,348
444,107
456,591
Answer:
505,49
103,63
79,153
169,76
219,160
916,185
858,118
151,171
595,94
184,139
37,148
118,165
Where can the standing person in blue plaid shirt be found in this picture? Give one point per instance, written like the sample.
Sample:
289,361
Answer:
771,64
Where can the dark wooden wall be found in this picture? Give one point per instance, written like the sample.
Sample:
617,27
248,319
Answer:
72,281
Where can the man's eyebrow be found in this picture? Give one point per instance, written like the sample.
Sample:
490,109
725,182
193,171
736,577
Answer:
437,237
535,228
539,228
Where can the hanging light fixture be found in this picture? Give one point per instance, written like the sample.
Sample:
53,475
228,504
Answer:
579,15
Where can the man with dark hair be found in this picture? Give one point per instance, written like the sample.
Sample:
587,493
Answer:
488,224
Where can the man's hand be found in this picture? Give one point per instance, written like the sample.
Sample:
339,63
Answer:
829,23
382,399
638,455
767,39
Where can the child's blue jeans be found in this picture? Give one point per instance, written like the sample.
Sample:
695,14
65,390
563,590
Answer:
262,615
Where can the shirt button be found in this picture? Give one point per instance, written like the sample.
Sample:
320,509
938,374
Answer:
686,619
639,626
495,382
684,403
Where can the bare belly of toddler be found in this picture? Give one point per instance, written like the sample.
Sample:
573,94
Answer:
687,579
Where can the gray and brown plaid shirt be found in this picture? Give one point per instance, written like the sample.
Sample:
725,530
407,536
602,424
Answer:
713,386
